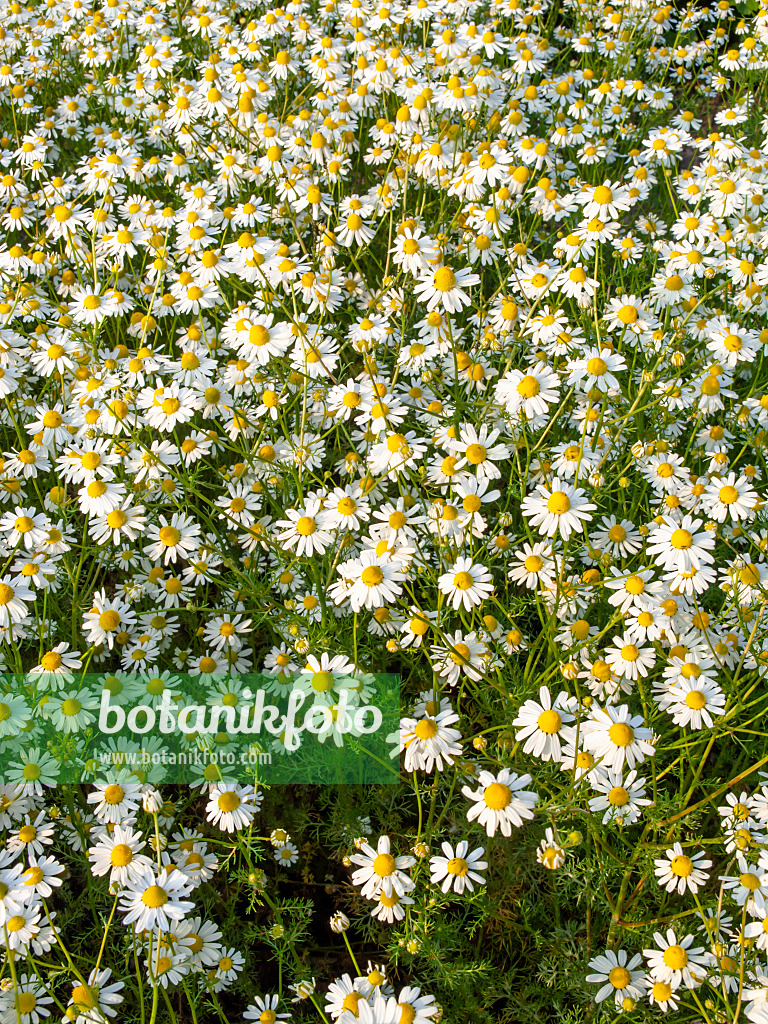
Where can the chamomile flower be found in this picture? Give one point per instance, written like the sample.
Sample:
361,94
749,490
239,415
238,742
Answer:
680,871
617,737
379,871
677,962
618,976
561,509
545,724
155,899
458,869
501,801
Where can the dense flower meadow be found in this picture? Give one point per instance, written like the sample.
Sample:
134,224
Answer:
423,337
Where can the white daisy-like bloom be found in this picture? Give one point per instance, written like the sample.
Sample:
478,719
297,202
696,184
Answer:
561,509
458,869
390,908
501,801
287,855
757,997
96,1000
326,673
71,711
693,702
22,921
680,545
33,836
617,975
633,590
544,726
155,900
549,853
14,714
14,598
115,800
379,1010
232,807
56,667
430,742
201,939
677,962
173,539
34,771
729,497
265,1010
379,871
620,799
445,287
304,530
530,392
43,875
738,810
462,653
750,887
596,369
107,618
617,537
629,660
170,968
679,871
628,313
535,566
758,929
370,581
616,737
415,1007
731,343
480,450
466,584
344,993
33,1000
119,853
661,994
605,201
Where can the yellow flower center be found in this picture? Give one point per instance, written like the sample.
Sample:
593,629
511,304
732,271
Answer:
497,796
228,801
621,734
602,195
426,729
463,580
550,721
457,866
475,454
155,896
558,503
619,977
695,700
444,279
121,855
372,576
681,540
675,957
681,866
384,865
528,387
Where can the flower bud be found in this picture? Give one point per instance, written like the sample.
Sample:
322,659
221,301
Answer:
339,922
